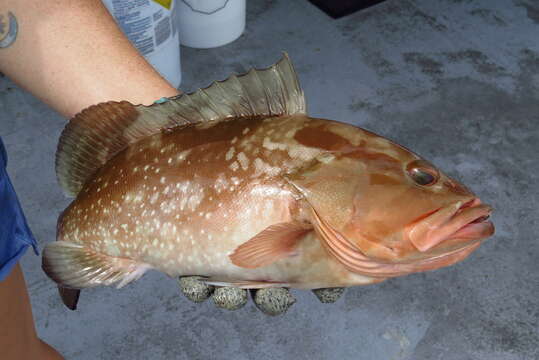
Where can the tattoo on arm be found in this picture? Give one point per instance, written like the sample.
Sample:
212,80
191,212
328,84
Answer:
8,29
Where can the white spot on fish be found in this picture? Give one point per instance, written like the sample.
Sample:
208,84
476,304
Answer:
264,168
230,153
220,183
195,200
183,155
325,158
303,153
234,166
244,161
270,145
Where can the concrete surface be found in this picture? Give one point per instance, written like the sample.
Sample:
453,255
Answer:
456,81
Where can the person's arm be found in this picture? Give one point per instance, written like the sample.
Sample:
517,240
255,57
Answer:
18,338
71,54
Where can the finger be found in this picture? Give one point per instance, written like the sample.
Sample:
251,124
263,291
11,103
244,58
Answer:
229,298
273,301
328,295
194,289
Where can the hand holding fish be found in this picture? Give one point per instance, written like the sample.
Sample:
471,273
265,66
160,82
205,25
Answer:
236,184
271,301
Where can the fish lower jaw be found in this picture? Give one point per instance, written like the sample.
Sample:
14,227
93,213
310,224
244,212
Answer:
475,230
381,270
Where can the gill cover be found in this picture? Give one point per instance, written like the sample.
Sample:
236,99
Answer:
329,186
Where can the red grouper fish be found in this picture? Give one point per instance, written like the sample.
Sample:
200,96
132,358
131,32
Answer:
237,184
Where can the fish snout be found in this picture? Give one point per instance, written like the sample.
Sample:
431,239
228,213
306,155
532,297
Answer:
460,222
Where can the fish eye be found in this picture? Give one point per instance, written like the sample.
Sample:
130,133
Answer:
422,173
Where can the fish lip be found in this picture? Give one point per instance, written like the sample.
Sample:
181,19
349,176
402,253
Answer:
466,220
473,214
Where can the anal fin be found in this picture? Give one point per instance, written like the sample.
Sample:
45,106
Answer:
76,266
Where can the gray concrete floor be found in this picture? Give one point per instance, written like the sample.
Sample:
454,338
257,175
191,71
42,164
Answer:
456,81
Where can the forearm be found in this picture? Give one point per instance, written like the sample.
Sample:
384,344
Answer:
71,54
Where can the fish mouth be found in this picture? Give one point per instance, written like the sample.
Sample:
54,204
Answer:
454,226
443,236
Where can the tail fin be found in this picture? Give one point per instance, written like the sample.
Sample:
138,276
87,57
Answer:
76,266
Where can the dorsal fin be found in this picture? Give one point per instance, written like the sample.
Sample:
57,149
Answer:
99,132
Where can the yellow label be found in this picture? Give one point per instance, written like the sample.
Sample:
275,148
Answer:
165,3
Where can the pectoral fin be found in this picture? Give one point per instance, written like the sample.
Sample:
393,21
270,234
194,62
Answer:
274,243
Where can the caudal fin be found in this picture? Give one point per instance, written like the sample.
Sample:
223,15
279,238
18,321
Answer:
76,266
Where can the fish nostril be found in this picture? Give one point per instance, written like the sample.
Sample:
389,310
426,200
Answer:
471,203
467,204
457,188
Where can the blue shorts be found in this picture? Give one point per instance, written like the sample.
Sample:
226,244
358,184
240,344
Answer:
15,235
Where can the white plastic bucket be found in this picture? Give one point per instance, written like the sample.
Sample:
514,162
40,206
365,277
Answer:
207,24
151,27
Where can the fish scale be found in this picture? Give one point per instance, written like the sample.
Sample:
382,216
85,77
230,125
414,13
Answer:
248,191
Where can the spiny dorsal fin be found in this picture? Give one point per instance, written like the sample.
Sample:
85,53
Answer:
99,132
